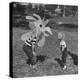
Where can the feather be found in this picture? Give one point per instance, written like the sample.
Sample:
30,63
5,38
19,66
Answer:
46,35
46,22
41,42
39,18
30,18
25,36
47,29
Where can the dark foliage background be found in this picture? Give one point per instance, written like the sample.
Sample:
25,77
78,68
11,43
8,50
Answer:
21,10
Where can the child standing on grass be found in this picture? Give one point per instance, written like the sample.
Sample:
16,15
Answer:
29,47
63,48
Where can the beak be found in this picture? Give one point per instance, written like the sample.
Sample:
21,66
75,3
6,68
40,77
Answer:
47,29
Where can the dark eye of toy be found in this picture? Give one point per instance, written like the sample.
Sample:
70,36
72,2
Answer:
40,25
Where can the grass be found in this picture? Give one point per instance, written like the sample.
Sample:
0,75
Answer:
21,69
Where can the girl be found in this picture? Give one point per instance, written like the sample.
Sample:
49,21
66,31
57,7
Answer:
29,47
63,48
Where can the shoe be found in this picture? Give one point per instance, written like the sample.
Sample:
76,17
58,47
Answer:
64,67
34,66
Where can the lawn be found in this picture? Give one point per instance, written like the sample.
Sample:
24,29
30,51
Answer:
48,67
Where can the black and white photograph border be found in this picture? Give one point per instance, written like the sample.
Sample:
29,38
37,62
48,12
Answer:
66,77
43,39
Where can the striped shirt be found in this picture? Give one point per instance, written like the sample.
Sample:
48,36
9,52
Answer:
31,42
30,37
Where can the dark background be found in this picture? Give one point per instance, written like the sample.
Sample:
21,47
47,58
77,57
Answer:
21,10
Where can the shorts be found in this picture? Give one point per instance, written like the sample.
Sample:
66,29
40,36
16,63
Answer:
29,53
